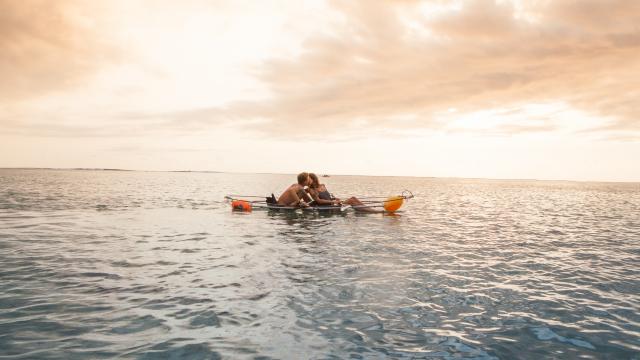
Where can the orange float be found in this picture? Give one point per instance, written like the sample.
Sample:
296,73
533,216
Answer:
393,203
241,205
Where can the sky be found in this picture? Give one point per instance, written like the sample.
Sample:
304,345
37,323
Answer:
480,88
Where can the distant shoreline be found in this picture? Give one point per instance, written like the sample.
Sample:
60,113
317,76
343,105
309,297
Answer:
265,173
105,169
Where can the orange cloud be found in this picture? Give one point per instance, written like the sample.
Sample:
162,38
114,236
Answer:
383,65
49,45
376,67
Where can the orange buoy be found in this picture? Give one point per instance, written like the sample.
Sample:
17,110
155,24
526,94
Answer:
241,205
393,203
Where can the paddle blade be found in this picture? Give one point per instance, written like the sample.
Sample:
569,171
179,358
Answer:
393,203
240,205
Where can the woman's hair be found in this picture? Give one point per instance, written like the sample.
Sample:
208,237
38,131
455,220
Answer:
314,180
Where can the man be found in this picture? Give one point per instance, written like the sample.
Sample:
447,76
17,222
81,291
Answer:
295,195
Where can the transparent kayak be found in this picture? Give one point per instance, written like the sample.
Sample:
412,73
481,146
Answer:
384,204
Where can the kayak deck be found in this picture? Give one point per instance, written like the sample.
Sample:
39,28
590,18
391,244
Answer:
262,204
308,208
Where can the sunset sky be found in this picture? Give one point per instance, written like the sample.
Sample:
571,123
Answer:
504,89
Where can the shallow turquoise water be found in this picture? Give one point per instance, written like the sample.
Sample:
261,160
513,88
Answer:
100,264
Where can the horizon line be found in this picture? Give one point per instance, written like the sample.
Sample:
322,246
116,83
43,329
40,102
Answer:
276,173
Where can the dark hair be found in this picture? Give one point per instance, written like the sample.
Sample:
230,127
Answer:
314,180
302,177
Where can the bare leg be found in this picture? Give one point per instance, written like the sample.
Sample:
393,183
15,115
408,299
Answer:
353,201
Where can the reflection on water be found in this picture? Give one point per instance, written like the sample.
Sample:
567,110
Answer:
155,265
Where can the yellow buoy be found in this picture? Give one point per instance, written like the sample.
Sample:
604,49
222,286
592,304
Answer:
393,203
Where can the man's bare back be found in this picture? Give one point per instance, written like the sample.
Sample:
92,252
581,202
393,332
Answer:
295,195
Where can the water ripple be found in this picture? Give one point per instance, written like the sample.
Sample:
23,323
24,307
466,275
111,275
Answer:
154,265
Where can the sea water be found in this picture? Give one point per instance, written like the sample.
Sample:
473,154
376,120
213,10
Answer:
103,264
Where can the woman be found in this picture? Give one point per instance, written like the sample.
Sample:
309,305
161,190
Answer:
323,197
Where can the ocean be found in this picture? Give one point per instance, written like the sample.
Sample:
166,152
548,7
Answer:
155,265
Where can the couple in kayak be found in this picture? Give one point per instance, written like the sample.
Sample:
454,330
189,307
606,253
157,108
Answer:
308,191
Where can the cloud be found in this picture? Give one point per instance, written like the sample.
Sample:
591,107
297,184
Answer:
117,124
382,67
383,62
49,46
